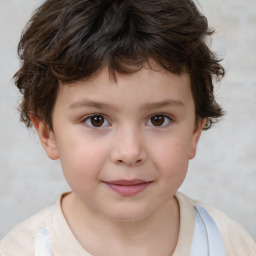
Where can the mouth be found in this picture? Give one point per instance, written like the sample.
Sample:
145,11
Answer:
128,187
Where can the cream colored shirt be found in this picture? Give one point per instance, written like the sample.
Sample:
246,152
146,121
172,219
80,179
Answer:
20,240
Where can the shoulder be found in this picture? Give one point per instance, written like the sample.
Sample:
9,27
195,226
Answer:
236,240
20,240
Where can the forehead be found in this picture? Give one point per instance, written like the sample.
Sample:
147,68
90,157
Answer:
142,87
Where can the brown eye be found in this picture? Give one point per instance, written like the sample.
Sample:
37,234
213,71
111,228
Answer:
96,121
159,121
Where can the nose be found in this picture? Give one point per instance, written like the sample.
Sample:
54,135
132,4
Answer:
128,148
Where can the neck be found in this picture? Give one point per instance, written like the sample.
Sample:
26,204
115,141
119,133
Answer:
156,234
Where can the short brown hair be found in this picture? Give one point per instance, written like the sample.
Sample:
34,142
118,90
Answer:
68,40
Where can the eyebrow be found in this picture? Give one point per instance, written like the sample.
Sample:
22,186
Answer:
164,103
147,106
91,104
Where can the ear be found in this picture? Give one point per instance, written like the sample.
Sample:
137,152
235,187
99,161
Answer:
46,137
196,135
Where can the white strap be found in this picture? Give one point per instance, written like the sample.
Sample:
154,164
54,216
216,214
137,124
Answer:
207,240
42,243
200,241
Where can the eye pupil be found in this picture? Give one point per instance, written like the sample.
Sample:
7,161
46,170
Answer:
157,120
97,121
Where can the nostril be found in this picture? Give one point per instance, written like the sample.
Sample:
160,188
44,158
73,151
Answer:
120,161
128,154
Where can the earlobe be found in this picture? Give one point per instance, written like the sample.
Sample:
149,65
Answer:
46,137
196,136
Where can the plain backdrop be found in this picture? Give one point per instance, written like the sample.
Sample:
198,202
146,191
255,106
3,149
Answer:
223,173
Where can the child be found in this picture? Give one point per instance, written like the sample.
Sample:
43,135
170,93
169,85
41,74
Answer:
119,91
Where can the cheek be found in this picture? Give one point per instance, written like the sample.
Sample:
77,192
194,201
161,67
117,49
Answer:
171,158
82,163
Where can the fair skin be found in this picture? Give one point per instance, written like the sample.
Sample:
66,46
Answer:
124,148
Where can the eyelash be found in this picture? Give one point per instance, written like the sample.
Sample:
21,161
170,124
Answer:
167,118
88,119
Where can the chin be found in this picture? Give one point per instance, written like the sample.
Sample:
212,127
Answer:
128,215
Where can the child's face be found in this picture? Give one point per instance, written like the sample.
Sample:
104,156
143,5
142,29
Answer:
124,146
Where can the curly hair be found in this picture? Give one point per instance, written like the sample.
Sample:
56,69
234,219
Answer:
67,41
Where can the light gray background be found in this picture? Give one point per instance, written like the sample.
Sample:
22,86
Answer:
224,171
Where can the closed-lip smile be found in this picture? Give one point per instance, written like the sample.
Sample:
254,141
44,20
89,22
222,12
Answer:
128,187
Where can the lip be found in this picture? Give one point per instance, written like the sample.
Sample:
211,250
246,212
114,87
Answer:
128,187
